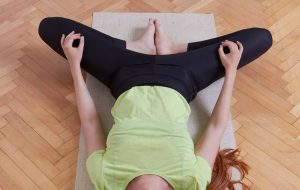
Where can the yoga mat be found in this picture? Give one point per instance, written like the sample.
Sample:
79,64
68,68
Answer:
181,27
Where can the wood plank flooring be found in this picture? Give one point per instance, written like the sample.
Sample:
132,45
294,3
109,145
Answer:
39,123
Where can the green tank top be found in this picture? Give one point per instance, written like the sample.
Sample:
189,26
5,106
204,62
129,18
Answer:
149,136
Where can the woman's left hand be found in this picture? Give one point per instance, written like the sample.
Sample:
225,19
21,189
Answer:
231,60
73,54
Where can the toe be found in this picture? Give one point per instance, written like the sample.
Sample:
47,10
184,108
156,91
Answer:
157,22
158,27
151,21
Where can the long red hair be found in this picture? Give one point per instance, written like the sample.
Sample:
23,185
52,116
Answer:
221,176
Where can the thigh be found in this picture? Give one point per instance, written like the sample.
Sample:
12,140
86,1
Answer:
205,63
244,33
102,54
51,29
204,43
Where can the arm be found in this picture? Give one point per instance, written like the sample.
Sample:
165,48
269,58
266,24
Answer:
90,122
208,144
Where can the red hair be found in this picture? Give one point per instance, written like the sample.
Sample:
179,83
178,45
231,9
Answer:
221,178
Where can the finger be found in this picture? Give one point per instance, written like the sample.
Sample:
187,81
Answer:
81,43
227,43
74,35
62,40
70,40
241,48
233,47
70,34
221,51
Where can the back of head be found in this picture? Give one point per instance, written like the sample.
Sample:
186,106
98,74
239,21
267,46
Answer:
221,177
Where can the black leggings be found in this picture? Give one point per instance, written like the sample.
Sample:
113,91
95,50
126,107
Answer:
107,58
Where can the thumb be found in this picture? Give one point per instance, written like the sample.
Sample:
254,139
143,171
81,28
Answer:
81,44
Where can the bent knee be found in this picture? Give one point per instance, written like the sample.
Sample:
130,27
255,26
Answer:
264,37
47,24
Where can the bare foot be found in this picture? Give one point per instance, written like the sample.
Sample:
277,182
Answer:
146,43
163,43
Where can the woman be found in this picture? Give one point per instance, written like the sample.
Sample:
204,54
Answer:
153,81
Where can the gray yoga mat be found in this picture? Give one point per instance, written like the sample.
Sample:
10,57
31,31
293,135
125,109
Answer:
181,27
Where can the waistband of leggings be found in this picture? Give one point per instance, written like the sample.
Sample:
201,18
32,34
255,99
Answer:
171,76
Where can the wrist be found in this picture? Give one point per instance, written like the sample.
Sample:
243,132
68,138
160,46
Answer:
74,65
75,70
231,75
230,72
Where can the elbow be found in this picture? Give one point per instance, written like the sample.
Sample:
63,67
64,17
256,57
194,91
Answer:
219,122
216,125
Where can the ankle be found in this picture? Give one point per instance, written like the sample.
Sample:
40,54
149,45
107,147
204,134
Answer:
129,44
179,47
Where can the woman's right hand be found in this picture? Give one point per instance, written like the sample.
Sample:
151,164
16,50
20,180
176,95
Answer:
73,54
231,60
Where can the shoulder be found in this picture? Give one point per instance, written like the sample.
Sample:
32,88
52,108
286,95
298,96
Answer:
203,171
94,165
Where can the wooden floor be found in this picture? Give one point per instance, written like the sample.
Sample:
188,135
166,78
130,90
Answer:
39,123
